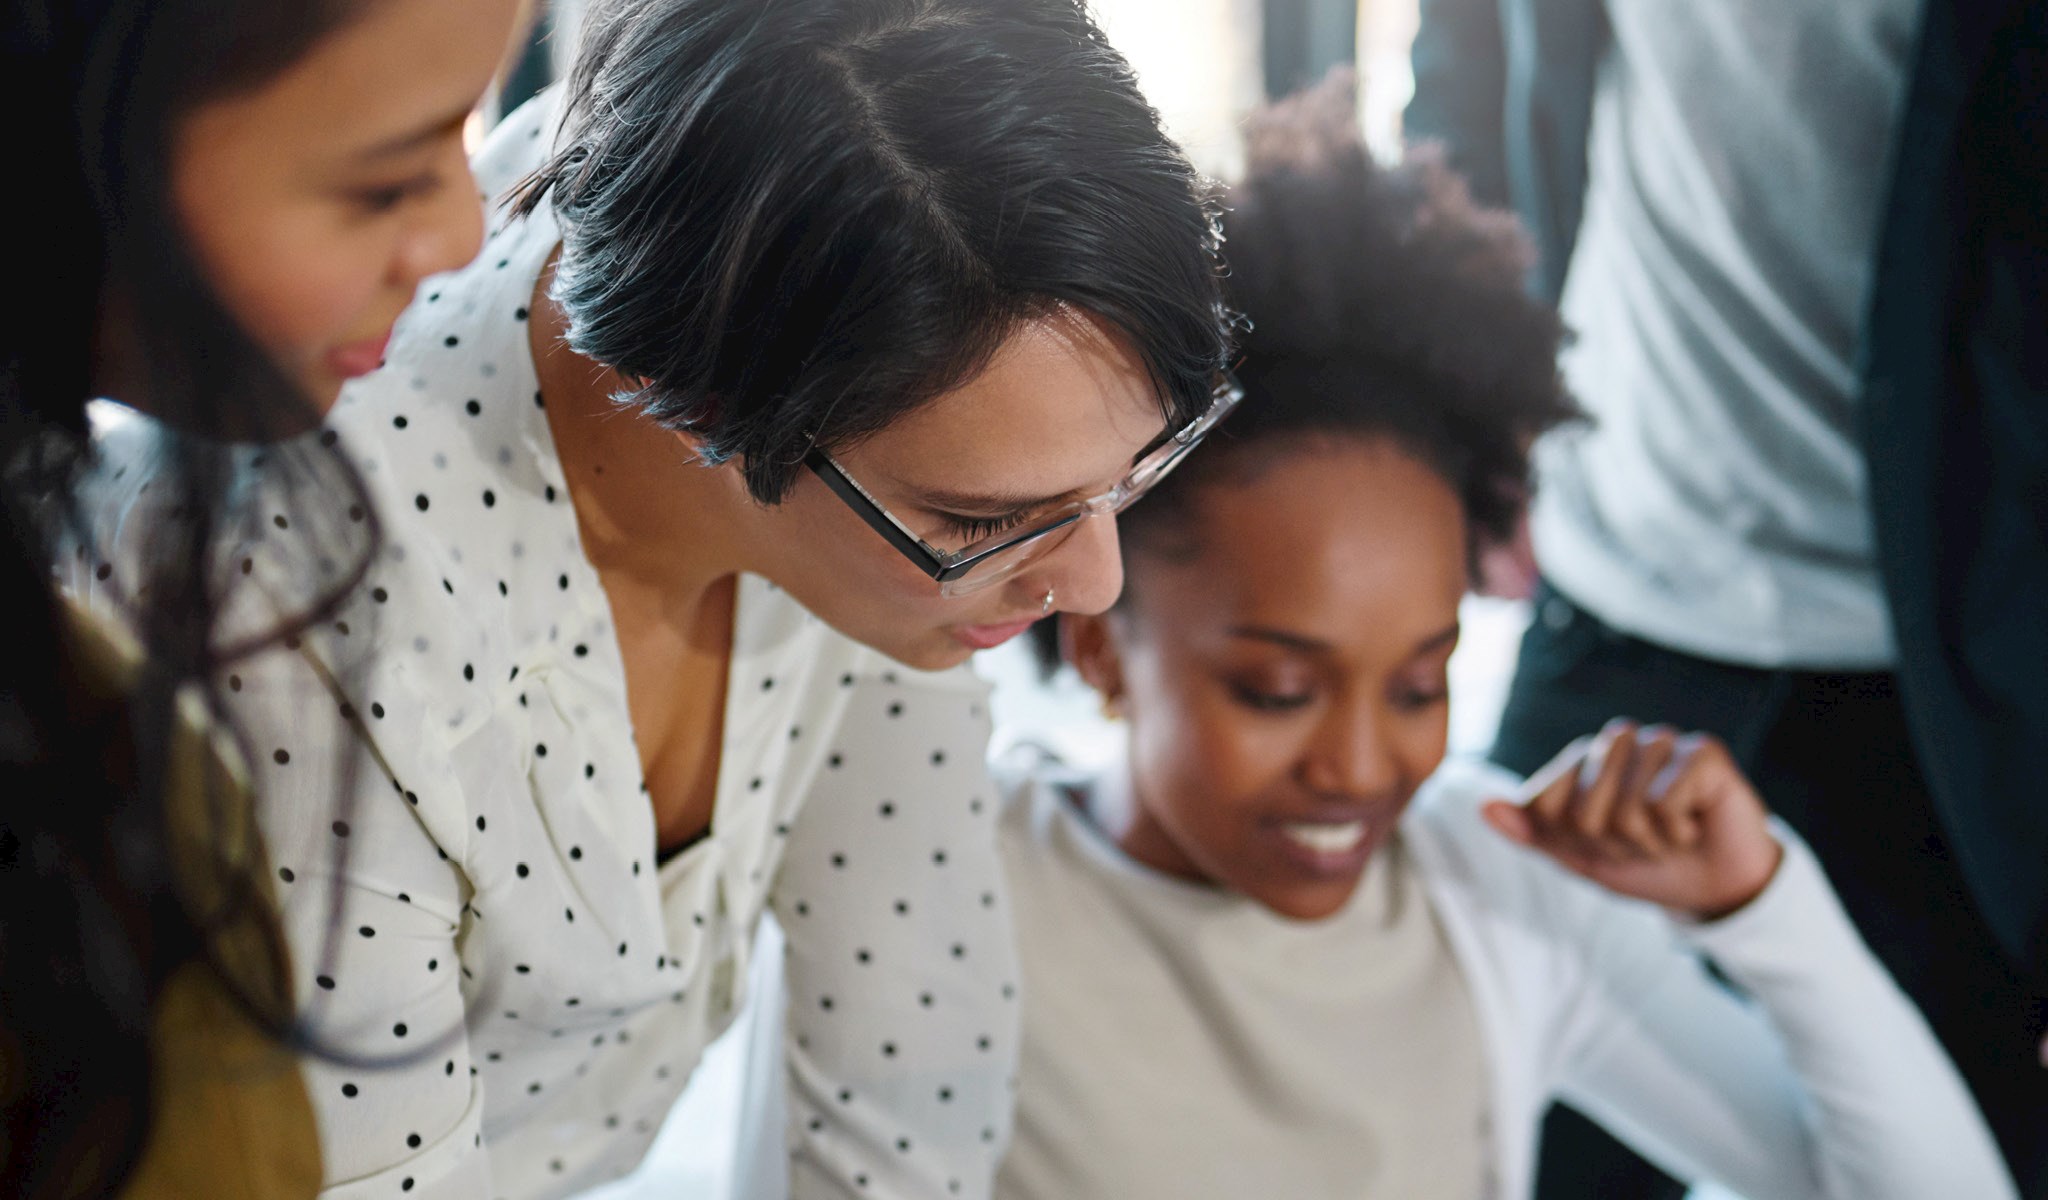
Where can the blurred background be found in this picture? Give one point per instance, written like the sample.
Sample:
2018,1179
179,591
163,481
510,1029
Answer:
1204,63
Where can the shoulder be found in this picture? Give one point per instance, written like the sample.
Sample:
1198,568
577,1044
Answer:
1048,845
844,725
1543,931
1022,777
1497,880
1032,783
452,443
520,143
1443,821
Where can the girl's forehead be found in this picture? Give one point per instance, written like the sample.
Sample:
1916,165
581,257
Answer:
1341,544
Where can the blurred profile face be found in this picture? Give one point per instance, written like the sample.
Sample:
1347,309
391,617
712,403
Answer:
1061,413
1284,673
316,201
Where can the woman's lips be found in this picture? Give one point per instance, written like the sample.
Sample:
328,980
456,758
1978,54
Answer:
988,637
358,358
1327,847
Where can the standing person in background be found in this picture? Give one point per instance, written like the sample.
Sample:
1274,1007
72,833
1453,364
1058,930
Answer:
819,350
1800,245
221,206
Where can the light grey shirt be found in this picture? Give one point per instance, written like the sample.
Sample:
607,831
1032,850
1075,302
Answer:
1738,164
1183,1042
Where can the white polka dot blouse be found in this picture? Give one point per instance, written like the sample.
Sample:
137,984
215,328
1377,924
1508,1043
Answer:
521,989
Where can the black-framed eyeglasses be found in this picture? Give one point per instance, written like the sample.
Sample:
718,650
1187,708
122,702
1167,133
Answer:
993,559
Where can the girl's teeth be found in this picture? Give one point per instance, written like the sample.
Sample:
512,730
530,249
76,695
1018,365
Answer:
1326,839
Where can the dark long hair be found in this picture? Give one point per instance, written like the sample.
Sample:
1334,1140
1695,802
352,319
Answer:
97,911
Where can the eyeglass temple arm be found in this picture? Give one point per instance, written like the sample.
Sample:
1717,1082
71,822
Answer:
876,517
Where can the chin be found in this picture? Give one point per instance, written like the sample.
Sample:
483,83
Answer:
1307,902
321,389
929,648
942,653
934,650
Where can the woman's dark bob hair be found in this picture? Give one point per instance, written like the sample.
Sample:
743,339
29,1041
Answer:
799,220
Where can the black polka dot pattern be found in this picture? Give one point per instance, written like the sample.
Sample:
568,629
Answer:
945,955
501,842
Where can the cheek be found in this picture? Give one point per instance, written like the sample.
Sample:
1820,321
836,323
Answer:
298,275
1215,761
859,585
1424,742
325,298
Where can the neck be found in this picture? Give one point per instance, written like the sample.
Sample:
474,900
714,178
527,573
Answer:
1129,823
652,516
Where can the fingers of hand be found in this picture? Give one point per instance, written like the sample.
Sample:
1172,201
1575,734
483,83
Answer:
1610,807
1509,820
1609,821
1628,793
1604,775
1549,792
1633,822
1685,787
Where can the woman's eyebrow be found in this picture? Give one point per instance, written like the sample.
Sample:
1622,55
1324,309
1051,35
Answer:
1304,644
978,503
1439,640
405,142
1281,637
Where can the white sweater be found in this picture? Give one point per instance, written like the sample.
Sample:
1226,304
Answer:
1827,1085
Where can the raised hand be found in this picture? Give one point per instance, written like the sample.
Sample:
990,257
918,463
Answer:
1650,813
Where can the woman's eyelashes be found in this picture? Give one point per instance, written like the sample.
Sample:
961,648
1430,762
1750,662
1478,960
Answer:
1423,689
1267,698
387,198
969,530
1417,699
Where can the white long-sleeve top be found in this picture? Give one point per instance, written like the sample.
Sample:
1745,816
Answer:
1825,1083
504,926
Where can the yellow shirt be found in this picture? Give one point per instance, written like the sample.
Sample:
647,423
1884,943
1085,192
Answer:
230,1117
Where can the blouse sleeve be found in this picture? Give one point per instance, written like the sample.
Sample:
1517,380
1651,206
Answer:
372,912
1825,1082
902,1026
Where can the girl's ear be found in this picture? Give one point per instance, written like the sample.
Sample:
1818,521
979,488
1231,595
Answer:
1089,644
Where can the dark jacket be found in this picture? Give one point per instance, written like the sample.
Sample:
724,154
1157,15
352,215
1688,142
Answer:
1953,366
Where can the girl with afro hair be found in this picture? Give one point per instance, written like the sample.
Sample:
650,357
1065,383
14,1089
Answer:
1282,948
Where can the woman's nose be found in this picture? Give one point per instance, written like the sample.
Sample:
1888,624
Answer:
1087,573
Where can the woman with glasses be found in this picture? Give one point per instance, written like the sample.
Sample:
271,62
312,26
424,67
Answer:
818,350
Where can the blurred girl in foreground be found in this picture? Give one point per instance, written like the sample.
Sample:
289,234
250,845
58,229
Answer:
1283,949
227,204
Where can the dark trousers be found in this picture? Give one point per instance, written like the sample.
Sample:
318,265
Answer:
1830,753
